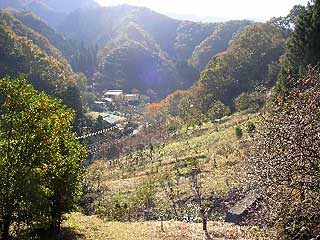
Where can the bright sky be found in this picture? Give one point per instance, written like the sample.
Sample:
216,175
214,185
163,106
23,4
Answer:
227,9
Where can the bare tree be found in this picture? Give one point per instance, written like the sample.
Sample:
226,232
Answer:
200,197
169,187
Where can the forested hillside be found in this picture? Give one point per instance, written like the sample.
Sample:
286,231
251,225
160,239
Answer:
123,123
52,11
81,58
25,51
250,62
97,40
120,30
54,5
134,55
217,42
38,7
9,21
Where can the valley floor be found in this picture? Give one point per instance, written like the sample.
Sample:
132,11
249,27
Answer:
94,228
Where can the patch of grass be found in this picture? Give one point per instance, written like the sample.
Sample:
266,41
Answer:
67,233
94,228
215,149
95,115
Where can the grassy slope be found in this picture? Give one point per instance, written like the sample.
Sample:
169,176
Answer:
94,228
214,143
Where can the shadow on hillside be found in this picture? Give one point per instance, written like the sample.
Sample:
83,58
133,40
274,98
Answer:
226,235
69,234
65,234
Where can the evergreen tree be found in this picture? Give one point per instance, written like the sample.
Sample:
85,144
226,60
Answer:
303,47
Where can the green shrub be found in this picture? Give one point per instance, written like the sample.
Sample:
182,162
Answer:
218,110
40,158
251,127
253,101
239,132
173,125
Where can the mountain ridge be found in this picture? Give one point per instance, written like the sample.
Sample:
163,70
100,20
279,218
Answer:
99,42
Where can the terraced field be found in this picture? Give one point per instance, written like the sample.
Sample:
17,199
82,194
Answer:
214,146
132,189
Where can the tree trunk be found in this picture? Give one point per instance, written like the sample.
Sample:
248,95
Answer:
5,229
55,228
205,229
162,227
204,224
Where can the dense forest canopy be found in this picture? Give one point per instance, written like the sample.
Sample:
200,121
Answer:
251,61
127,47
169,40
86,36
99,41
303,47
9,21
217,42
25,51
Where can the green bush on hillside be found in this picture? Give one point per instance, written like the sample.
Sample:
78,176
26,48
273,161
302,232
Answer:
40,170
249,101
218,110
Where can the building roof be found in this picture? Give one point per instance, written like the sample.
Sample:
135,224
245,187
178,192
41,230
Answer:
132,95
110,120
113,92
241,206
98,102
108,99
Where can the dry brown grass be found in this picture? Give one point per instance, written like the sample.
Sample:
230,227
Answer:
220,146
94,228
222,153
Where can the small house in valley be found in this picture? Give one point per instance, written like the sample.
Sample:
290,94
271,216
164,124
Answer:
132,97
115,95
110,120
